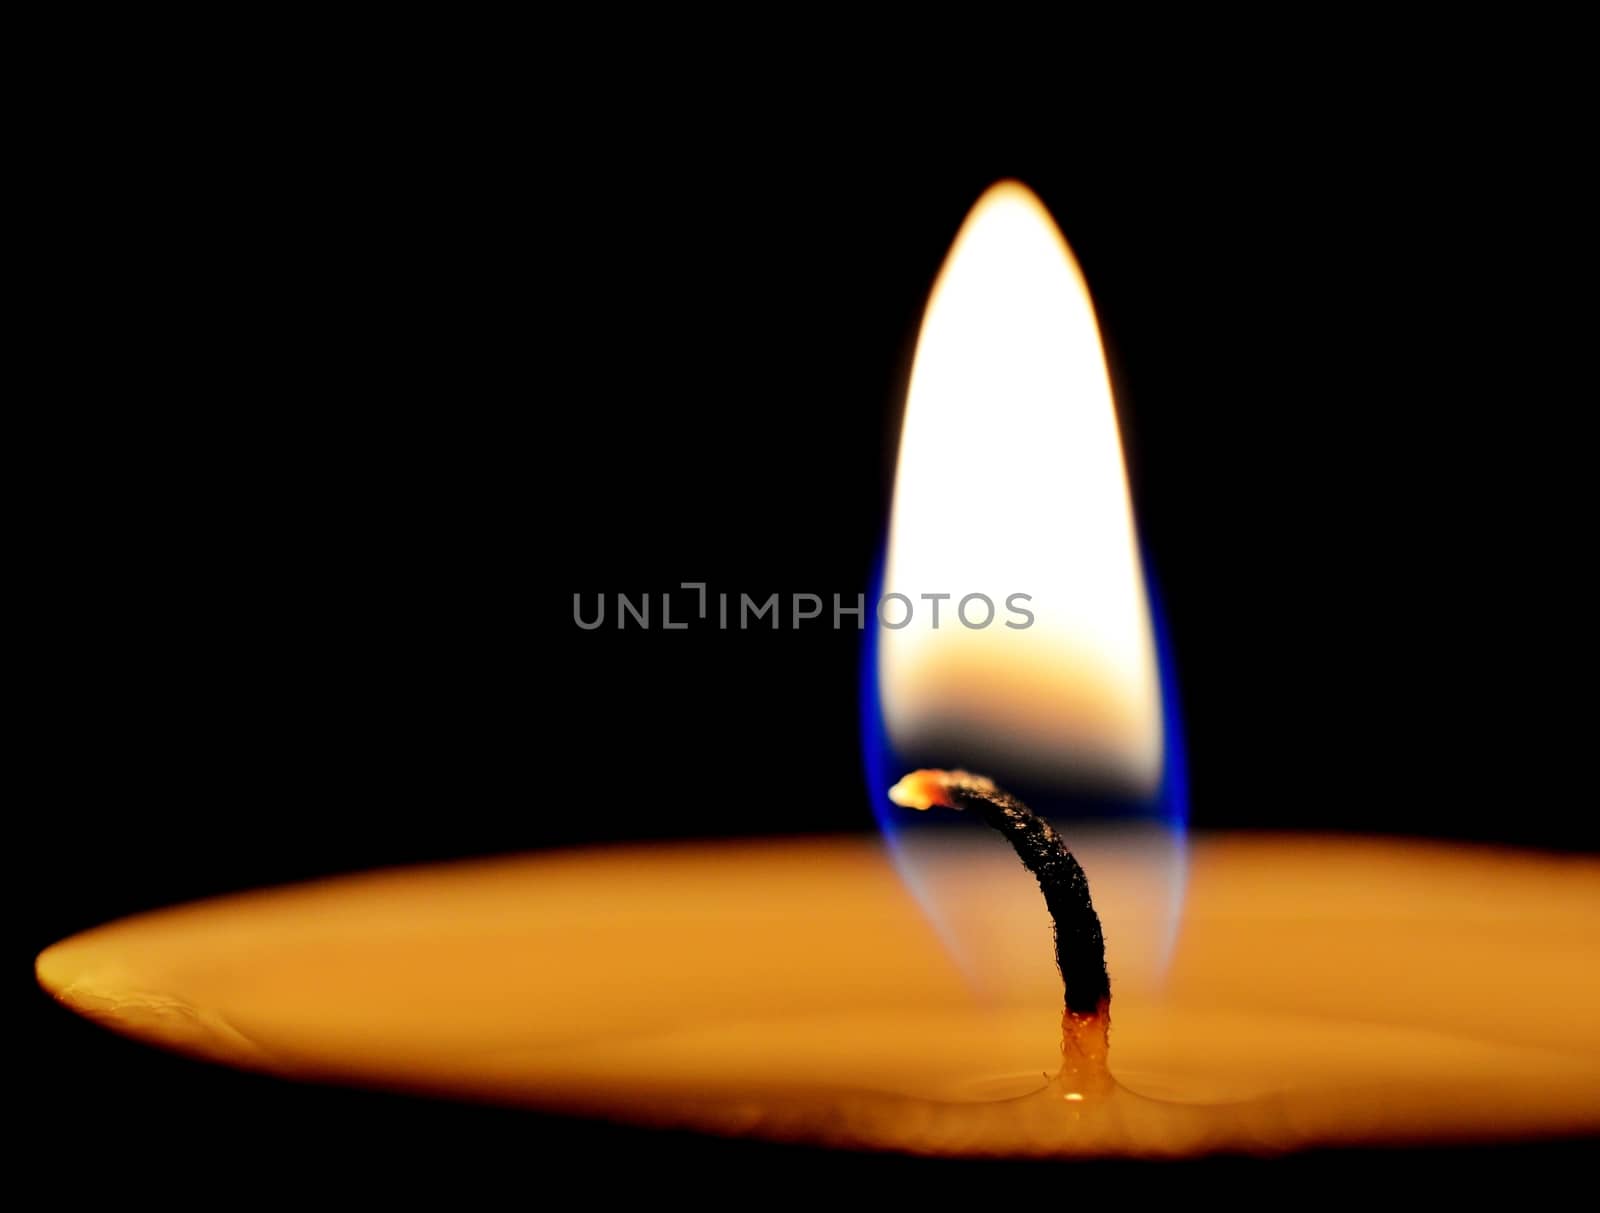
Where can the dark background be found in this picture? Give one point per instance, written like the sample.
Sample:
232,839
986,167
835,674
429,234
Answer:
345,398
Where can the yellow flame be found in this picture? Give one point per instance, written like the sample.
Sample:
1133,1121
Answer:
1011,481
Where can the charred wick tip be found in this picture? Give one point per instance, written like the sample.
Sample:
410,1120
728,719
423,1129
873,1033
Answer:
1080,946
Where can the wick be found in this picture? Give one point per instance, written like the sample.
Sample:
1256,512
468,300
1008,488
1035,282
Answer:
1080,947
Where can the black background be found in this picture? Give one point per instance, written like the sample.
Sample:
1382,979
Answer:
346,396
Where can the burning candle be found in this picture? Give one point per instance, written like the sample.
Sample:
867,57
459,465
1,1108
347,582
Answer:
1312,990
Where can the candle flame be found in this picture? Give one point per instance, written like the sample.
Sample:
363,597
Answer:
1011,482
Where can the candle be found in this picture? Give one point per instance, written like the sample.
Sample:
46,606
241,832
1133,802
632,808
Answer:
1324,991
1321,990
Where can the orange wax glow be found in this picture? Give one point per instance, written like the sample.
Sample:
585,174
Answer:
1325,991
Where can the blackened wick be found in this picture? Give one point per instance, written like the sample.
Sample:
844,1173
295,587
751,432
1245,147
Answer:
1080,946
